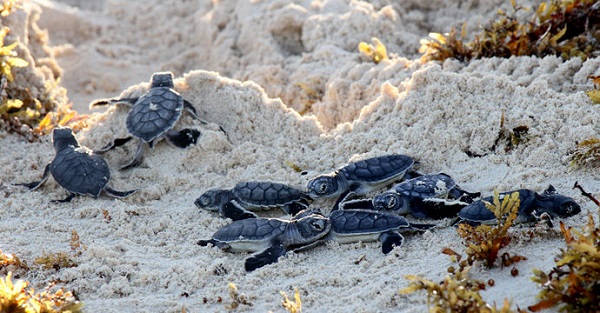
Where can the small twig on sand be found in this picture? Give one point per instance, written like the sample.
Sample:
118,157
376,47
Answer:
585,193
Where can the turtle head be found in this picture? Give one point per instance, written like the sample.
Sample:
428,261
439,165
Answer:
162,79
210,200
308,229
324,186
389,201
63,137
557,205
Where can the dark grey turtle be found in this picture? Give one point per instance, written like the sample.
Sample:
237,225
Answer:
356,225
77,169
428,196
360,178
273,237
532,207
153,116
254,195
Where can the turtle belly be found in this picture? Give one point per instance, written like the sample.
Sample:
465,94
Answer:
354,237
80,172
248,245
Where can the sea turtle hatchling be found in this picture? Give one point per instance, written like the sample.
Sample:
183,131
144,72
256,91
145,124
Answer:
360,178
273,237
354,225
236,202
533,206
428,196
77,169
153,116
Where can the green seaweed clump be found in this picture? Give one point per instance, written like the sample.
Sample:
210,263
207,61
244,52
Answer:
574,283
15,298
456,293
563,28
483,243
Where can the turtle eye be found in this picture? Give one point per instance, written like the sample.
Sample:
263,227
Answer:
318,224
204,200
322,188
391,202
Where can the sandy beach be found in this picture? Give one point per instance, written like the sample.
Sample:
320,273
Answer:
288,85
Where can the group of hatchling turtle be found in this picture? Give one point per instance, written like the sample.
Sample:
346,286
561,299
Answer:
353,217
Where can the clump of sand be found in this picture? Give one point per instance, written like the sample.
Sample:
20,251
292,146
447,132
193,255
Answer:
240,66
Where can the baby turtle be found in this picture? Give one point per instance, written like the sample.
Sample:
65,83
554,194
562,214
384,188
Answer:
360,178
429,196
533,207
254,195
272,236
77,169
153,116
356,225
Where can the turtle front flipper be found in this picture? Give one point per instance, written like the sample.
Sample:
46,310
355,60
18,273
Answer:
119,194
295,207
67,199
268,256
365,204
233,210
189,107
116,143
36,184
183,138
103,102
389,240
344,197
137,159
462,195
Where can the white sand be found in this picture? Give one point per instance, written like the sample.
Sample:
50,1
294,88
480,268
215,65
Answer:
145,258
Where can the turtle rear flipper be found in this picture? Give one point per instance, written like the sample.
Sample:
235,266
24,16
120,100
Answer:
389,240
268,256
116,143
233,210
421,227
183,138
137,159
119,194
67,199
36,184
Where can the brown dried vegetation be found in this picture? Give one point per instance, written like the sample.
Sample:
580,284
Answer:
563,28
574,283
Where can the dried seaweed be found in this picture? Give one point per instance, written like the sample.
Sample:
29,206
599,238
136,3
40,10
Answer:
483,243
16,298
574,283
62,259
11,263
376,53
563,28
292,306
237,299
456,293
22,111
586,153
